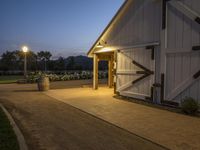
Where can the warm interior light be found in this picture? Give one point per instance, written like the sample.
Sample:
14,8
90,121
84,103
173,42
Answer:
25,49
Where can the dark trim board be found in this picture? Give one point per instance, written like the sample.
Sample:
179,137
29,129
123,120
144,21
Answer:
162,92
153,53
170,103
152,91
142,67
196,75
140,78
196,48
144,73
162,87
147,98
152,47
164,14
156,85
197,19
141,72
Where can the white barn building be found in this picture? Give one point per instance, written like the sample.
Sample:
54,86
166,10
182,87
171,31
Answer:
153,49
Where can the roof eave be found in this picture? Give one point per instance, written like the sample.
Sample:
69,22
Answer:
90,52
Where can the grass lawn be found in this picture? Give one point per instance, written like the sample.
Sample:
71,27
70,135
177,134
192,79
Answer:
8,139
9,79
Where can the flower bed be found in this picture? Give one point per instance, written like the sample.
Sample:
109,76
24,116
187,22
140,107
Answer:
75,75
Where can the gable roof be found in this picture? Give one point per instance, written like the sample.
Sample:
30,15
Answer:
114,19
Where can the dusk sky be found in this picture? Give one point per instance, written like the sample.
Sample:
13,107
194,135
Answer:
64,27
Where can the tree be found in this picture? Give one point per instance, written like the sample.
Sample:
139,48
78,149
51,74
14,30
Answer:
45,57
8,61
15,60
60,64
70,63
32,61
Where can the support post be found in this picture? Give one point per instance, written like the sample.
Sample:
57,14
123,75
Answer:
110,72
25,66
95,72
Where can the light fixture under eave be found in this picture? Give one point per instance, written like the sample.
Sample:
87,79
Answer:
105,50
99,45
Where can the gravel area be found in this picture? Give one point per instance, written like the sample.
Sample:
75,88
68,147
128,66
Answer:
49,124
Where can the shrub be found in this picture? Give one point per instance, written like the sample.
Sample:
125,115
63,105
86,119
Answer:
74,75
33,77
189,106
53,77
65,77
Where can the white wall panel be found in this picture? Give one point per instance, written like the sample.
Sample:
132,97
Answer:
182,31
180,67
182,34
143,57
140,24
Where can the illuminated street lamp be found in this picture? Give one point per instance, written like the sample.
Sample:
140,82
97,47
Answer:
25,50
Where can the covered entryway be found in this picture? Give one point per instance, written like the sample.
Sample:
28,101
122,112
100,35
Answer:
105,56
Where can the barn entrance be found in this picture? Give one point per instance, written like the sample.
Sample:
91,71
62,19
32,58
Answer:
105,56
136,72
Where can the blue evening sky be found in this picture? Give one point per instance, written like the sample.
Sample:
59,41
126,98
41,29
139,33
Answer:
65,27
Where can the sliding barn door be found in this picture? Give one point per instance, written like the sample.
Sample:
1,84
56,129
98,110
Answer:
182,51
135,73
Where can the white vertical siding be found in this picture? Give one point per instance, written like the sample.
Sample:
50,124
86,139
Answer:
180,67
183,32
143,57
182,63
140,24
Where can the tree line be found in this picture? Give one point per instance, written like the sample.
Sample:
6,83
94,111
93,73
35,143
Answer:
41,61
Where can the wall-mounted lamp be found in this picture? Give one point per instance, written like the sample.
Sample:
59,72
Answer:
100,45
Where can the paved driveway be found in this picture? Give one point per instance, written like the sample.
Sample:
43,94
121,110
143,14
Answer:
172,130
49,124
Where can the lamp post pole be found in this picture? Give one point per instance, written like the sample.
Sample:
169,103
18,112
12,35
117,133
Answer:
25,65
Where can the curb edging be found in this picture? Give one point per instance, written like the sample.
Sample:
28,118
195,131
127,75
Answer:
18,133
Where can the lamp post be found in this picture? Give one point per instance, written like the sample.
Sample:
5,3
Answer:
25,50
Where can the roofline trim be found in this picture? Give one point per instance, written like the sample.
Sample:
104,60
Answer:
107,27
